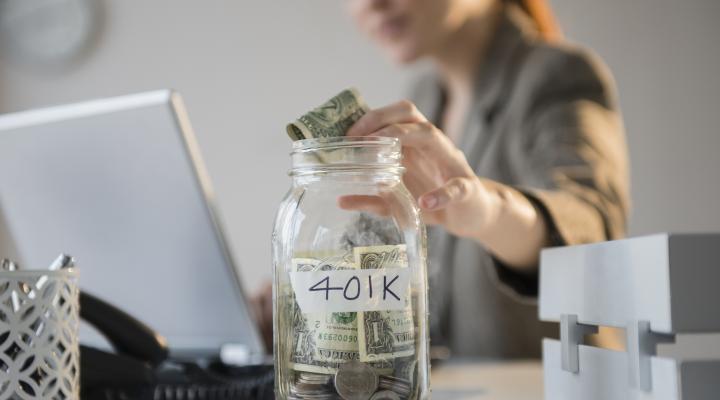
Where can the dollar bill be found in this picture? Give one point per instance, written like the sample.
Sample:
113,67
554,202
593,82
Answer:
383,256
385,335
332,119
323,341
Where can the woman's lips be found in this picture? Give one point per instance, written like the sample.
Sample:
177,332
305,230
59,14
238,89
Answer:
392,28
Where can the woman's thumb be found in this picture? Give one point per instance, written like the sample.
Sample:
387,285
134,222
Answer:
454,190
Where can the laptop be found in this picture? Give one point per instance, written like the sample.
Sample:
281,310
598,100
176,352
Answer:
119,184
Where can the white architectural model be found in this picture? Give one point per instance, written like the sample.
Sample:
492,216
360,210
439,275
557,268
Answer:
654,287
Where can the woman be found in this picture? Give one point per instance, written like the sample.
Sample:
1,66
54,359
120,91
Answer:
513,144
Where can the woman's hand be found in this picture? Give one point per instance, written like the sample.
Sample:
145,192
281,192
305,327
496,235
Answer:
448,191
437,173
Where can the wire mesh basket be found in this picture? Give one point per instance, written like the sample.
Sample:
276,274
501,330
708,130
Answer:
39,320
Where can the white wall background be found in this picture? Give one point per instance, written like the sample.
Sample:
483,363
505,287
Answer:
245,68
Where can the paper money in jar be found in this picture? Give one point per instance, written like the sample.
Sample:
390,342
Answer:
332,119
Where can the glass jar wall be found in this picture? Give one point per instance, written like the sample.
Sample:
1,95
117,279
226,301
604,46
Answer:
350,284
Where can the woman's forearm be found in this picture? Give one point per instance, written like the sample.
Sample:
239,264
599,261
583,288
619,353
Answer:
516,232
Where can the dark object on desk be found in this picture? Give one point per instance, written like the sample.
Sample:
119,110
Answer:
127,335
140,368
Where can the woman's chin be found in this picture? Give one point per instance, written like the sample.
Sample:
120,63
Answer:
404,56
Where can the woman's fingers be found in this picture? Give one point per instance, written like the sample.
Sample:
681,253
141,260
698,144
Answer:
405,122
454,190
373,204
423,136
432,143
403,111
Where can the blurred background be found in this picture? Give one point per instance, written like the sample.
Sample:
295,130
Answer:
247,68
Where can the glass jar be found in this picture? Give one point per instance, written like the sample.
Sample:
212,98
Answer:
350,284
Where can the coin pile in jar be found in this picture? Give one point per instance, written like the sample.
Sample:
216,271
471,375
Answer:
353,381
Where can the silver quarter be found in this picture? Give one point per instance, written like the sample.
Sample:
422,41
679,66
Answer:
355,381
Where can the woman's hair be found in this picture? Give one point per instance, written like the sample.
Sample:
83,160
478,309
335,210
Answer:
541,13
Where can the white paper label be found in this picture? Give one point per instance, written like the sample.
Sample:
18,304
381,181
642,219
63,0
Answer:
351,290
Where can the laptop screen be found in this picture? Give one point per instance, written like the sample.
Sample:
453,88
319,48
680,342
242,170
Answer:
118,184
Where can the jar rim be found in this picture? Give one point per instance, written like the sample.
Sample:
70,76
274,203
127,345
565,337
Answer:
347,155
344,141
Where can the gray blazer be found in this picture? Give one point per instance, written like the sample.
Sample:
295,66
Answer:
544,120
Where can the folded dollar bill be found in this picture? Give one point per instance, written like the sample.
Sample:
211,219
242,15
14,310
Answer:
332,119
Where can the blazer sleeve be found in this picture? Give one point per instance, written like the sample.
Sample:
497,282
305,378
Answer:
576,168
571,162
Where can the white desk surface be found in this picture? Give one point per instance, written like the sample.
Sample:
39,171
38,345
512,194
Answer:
486,380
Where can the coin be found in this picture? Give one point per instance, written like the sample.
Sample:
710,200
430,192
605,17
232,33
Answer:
395,384
385,395
355,381
310,386
315,379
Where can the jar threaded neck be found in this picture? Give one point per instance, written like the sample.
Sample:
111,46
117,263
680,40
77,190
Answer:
372,154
